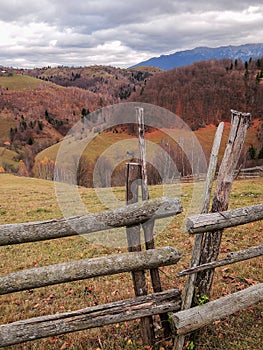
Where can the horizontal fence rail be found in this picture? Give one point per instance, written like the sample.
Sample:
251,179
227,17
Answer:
192,319
139,307
88,268
256,171
129,215
96,316
231,258
159,303
220,220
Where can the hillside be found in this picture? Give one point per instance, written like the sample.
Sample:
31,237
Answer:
114,84
34,117
104,160
204,93
17,82
184,58
39,106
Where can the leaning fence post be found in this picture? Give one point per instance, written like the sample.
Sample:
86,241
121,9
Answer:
133,176
209,242
205,207
240,123
196,253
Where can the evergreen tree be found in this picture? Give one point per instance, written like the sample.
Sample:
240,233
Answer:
260,153
252,152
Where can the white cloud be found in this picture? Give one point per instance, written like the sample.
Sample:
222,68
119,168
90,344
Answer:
119,32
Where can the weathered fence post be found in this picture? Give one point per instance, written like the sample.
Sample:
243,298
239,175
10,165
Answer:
148,227
205,207
142,152
196,253
240,123
206,246
133,176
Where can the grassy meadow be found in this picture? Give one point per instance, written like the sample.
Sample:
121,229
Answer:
8,158
18,82
5,126
28,199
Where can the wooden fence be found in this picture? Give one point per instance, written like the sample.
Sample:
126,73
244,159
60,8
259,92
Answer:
124,310
141,306
190,319
247,173
207,228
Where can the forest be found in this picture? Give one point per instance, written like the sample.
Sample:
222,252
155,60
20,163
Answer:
41,105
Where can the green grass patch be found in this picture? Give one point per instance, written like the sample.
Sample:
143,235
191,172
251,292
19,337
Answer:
5,126
18,82
94,149
27,199
8,158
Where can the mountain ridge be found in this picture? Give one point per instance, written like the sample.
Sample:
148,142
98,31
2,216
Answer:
186,57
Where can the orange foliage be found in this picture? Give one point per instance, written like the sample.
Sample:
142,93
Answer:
22,170
204,93
44,169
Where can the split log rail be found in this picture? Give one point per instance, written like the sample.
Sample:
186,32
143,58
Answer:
185,321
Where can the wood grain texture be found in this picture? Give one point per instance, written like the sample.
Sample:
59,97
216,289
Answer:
189,320
221,220
125,216
88,268
96,316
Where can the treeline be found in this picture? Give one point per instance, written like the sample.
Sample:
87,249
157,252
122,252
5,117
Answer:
167,160
113,84
204,92
41,117
201,94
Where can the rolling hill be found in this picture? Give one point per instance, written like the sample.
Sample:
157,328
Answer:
113,84
17,82
39,106
36,112
106,155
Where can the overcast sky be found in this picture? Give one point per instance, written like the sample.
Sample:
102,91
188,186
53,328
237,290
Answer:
37,33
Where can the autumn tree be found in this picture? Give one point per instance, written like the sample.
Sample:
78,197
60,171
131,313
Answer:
44,168
22,170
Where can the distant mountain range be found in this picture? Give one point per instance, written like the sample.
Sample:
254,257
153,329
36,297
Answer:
183,58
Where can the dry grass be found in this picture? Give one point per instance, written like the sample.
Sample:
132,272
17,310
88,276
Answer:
24,199
8,158
5,126
19,82
206,137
